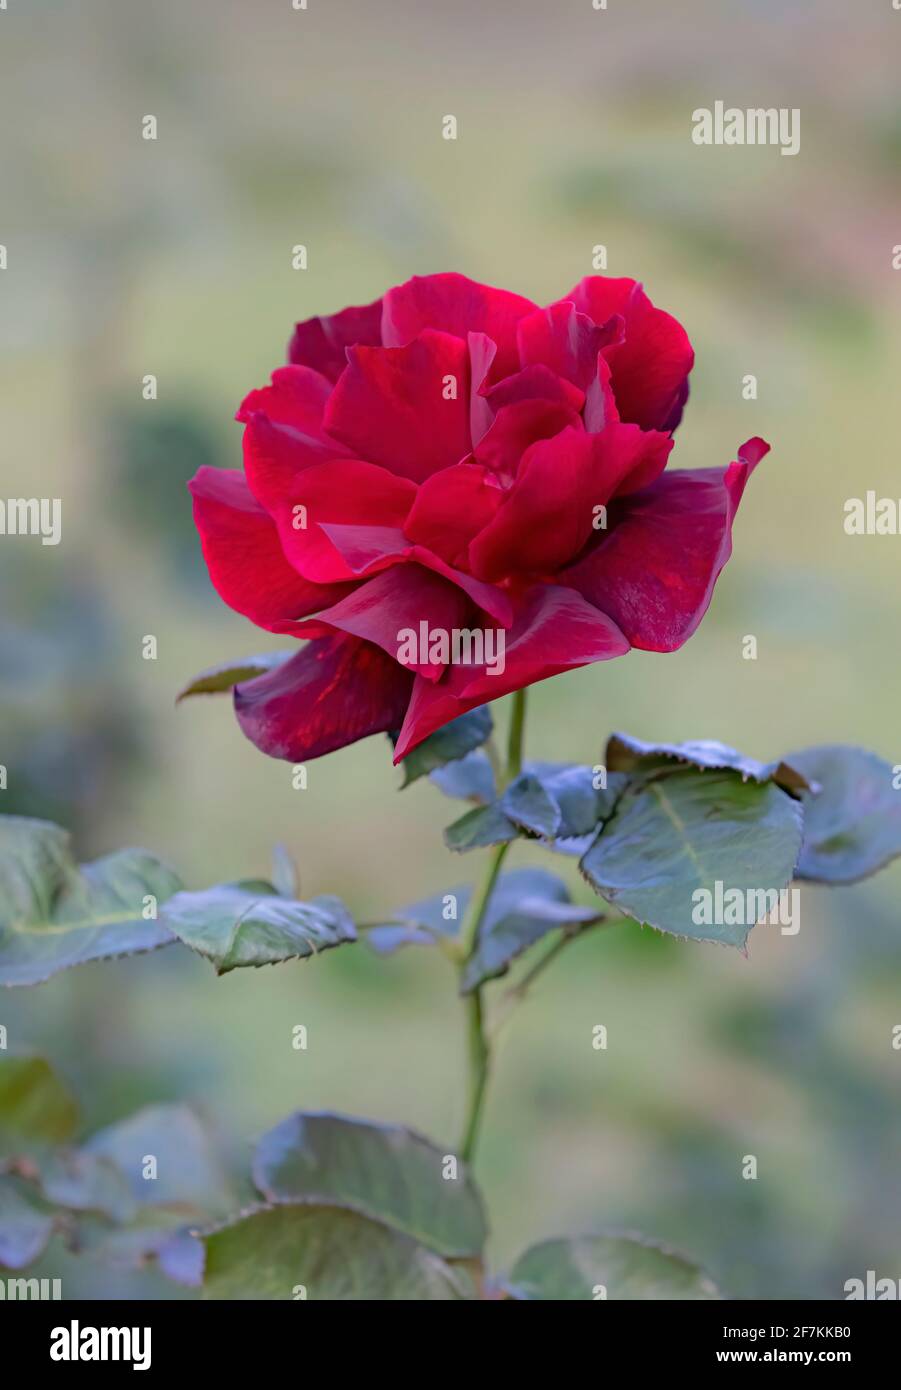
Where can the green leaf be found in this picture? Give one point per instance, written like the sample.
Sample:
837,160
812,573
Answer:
328,1252
626,754
686,834
24,1229
187,1174
383,1171
55,914
852,823
557,802
172,1247
217,679
582,803
109,1180
483,826
626,1267
36,1109
531,807
526,905
89,1182
448,744
468,779
248,923
157,1207
422,923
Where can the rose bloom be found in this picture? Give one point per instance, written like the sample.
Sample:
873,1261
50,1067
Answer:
455,456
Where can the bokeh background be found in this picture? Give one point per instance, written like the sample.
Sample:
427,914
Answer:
129,257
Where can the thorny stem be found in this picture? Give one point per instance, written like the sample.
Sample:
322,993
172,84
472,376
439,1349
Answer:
479,1052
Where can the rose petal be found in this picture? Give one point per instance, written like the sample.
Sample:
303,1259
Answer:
566,341
345,492
451,507
655,571
386,608
455,304
651,365
365,550
630,458
244,557
550,634
334,691
296,396
674,418
488,395
549,513
284,432
390,405
518,426
536,383
600,402
482,352
323,342
494,601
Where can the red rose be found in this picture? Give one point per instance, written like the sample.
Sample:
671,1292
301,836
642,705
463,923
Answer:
455,460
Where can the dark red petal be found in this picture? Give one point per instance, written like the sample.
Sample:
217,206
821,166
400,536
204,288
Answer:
651,366
547,516
455,304
566,341
398,601
451,507
362,550
655,571
296,396
366,550
519,425
537,383
629,458
482,352
554,630
345,492
600,402
284,432
550,634
495,602
674,418
488,394
322,342
390,408
245,560
334,691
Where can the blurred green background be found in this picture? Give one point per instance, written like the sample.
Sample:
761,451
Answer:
129,257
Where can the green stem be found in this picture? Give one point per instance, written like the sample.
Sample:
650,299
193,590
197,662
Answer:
479,1052
479,1066
515,738
469,934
